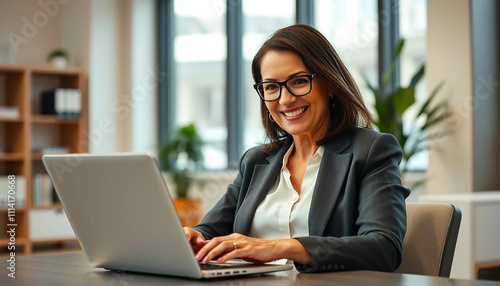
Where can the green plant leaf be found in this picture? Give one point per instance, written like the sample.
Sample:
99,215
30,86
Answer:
381,107
435,121
430,98
417,76
391,106
185,140
403,98
434,111
383,121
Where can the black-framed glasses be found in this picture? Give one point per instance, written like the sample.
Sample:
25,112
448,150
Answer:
298,86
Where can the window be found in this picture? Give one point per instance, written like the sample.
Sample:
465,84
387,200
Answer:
200,55
352,28
258,25
412,27
200,51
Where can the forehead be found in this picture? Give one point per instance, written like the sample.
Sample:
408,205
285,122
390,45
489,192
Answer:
280,64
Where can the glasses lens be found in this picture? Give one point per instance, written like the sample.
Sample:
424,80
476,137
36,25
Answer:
299,85
270,90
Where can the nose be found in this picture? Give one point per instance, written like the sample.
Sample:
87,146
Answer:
286,97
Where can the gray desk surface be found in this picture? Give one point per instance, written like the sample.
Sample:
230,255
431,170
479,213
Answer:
73,269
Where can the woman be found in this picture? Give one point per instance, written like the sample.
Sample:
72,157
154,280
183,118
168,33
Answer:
324,193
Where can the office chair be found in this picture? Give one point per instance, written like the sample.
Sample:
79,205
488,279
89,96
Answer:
431,236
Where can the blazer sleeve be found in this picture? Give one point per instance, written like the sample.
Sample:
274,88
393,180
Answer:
381,220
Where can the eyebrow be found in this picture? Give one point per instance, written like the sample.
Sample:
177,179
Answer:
289,76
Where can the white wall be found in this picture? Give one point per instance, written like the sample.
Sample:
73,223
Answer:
75,31
462,47
449,61
109,78
144,75
28,32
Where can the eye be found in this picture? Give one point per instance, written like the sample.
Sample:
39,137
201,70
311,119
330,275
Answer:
270,87
300,81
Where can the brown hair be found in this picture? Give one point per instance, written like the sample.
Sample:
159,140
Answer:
321,58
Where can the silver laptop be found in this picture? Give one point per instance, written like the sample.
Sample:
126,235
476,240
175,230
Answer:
124,218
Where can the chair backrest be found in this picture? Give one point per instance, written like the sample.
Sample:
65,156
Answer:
431,236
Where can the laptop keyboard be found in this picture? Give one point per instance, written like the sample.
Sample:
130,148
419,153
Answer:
216,266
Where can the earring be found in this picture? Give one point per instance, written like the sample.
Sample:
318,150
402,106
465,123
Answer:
271,117
332,103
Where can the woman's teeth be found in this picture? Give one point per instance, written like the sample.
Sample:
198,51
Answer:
295,112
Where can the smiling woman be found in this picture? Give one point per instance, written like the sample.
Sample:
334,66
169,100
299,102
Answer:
325,193
301,116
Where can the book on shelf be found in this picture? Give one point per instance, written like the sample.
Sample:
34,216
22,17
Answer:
43,190
65,103
20,191
10,112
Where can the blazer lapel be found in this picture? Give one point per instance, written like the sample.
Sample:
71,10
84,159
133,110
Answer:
263,178
331,178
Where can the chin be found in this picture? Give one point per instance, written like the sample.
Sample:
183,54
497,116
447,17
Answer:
296,131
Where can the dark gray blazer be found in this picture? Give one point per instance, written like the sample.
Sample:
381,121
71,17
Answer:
357,218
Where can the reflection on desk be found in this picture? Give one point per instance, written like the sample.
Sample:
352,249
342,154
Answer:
73,269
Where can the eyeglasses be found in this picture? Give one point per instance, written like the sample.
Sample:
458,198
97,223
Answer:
298,86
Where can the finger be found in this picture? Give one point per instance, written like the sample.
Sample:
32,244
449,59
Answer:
200,256
187,232
210,244
230,255
203,254
201,243
218,250
200,240
203,250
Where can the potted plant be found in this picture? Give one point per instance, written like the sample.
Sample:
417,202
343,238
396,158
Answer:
414,136
178,156
58,58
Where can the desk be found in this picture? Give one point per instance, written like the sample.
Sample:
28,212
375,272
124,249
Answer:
73,269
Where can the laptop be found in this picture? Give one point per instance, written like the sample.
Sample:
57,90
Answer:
121,211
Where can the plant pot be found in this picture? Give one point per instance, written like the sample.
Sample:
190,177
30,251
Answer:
189,210
59,62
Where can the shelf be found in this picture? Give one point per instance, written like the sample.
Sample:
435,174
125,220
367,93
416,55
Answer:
18,209
30,136
11,69
37,156
49,70
5,241
52,119
52,71
55,206
11,156
14,120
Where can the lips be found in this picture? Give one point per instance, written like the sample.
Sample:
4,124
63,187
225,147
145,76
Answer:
295,112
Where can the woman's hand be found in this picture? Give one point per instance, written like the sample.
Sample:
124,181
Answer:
195,238
256,250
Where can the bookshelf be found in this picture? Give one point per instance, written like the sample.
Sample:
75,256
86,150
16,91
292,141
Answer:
22,136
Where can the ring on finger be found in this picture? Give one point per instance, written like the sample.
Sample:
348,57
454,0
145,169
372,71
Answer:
235,246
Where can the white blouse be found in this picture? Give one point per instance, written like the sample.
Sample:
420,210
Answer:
284,213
